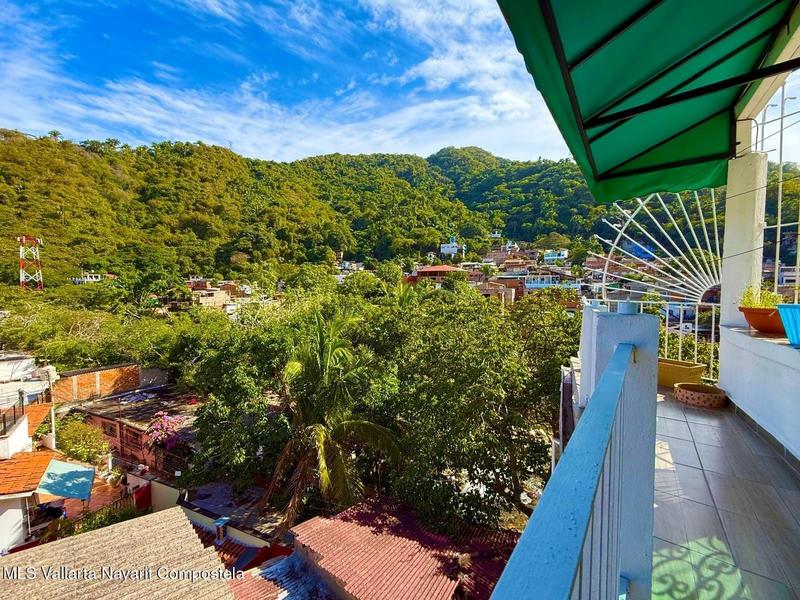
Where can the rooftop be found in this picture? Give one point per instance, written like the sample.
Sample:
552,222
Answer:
139,408
23,471
37,413
218,498
378,550
162,539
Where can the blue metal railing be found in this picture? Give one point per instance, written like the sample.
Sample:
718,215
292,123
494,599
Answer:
571,546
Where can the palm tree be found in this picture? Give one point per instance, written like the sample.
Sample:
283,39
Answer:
318,394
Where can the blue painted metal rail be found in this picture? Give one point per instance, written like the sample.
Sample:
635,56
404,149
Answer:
570,548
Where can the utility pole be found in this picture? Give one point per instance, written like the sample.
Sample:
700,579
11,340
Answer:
780,188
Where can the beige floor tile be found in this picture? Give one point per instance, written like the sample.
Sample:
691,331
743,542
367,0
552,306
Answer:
675,450
750,545
673,428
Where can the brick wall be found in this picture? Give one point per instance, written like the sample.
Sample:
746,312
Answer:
87,384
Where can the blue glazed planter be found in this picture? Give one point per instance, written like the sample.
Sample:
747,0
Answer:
790,315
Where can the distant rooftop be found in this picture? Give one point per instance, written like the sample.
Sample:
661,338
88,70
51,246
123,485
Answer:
138,408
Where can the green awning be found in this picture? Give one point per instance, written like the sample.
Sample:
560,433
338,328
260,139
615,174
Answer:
594,59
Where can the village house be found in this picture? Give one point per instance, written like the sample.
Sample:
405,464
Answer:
378,549
434,273
92,277
124,420
211,297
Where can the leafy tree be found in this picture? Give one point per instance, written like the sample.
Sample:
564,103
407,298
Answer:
81,441
549,336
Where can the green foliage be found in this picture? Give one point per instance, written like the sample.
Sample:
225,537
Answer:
154,214
754,297
323,378
81,441
549,335
91,521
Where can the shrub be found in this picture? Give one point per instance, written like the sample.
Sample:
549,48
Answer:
82,441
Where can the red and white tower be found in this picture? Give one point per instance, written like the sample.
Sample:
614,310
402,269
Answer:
30,266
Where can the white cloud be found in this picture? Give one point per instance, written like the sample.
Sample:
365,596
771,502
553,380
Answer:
495,106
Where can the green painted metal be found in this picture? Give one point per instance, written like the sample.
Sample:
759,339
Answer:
594,58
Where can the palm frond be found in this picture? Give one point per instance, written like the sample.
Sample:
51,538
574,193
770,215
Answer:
369,434
282,464
320,436
302,478
347,485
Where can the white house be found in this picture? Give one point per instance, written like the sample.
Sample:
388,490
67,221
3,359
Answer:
553,256
452,248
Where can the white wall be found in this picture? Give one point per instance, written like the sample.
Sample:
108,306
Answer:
162,495
762,377
17,440
12,522
17,368
744,220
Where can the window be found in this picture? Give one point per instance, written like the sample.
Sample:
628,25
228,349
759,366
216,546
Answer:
110,429
133,439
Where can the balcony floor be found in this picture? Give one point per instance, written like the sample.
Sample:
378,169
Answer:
727,510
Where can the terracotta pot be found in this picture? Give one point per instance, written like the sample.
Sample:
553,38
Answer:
672,371
700,395
765,320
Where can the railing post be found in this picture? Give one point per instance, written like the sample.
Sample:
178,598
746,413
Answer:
601,335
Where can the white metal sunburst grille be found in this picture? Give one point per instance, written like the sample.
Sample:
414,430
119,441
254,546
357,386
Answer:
670,247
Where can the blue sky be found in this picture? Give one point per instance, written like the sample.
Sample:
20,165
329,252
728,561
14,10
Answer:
280,79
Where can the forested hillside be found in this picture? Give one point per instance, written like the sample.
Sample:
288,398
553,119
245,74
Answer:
157,213
192,208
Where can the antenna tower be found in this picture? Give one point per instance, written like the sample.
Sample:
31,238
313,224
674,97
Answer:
30,266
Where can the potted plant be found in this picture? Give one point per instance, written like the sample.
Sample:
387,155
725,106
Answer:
790,317
671,371
760,309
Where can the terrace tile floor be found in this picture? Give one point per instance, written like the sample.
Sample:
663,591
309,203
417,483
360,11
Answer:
727,510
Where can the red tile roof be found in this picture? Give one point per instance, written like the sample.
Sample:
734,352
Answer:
438,268
255,588
36,414
23,471
228,551
378,550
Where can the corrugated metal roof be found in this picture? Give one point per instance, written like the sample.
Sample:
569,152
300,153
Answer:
162,539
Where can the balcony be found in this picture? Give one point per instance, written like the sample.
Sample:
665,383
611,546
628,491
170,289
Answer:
715,515
727,509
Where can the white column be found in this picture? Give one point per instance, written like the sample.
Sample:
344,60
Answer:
605,332
744,226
